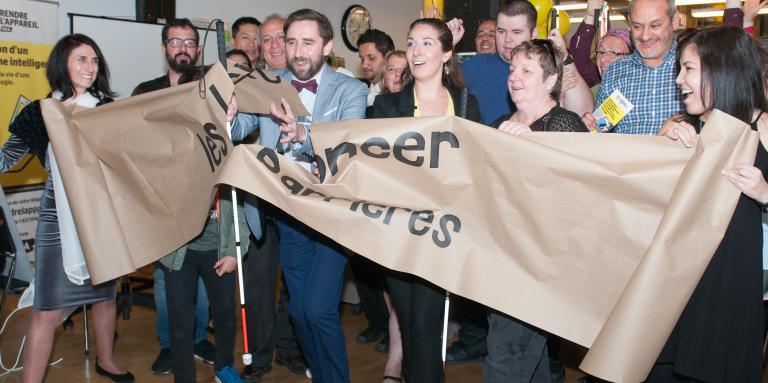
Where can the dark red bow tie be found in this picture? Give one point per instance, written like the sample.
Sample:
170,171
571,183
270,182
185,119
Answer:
310,85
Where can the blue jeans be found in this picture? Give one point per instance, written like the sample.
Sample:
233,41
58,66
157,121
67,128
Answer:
313,267
161,306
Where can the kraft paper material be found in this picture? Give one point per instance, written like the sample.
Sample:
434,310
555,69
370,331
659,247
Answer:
141,171
599,239
257,88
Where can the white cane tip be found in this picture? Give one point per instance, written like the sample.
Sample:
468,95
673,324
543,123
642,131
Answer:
247,359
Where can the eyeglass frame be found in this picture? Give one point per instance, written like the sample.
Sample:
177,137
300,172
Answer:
181,42
610,54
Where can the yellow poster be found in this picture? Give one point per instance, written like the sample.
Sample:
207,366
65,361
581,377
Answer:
28,31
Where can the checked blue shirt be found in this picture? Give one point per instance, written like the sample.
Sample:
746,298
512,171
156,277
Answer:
652,91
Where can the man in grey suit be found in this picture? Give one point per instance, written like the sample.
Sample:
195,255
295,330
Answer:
313,264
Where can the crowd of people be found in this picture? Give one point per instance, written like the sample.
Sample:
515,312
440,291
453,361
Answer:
517,84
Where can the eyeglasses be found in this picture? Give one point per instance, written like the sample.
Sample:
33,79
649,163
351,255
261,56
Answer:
176,42
546,44
609,54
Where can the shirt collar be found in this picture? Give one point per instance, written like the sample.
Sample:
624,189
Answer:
670,56
317,77
375,88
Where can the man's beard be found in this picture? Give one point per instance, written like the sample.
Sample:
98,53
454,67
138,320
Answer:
314,67
371,76
180,66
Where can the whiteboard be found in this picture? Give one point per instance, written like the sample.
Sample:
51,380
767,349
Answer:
132,49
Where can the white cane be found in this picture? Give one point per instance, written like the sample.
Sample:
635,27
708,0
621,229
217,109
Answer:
445,325
247,358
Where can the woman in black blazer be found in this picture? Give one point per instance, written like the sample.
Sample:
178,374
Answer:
435,91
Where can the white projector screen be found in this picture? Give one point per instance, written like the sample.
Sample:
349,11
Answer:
132,49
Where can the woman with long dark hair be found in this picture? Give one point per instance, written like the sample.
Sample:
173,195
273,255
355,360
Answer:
77,74
719,336
435,91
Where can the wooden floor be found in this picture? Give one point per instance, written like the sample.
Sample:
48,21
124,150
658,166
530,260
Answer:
137,348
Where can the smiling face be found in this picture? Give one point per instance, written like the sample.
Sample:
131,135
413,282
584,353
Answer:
82,66
511,31
305,49
247,39
690,82
653,29
425,53
272,40
526,81
371,61
610,49
485,40
394,72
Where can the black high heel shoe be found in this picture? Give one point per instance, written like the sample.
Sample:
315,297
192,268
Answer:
119,378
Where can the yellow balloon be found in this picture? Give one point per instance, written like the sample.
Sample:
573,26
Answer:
542,31
563,25
563,22
542,10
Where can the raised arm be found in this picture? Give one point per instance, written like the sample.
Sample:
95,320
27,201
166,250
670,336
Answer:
581,45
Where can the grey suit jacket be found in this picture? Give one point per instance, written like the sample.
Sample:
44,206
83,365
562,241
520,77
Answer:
339,97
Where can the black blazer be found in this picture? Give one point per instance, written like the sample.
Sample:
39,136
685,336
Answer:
401,104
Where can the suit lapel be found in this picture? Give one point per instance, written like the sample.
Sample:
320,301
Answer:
406,104
324,92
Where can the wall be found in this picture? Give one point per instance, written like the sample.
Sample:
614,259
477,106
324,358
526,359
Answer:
124,9
392,16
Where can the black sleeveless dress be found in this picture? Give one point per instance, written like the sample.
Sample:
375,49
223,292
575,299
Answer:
719,337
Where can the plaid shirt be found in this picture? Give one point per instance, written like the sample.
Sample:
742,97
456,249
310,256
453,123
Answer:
652,91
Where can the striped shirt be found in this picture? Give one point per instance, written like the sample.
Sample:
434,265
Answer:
652,91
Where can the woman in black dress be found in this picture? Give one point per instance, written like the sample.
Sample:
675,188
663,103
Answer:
719,335
77,74
518,352
535,78
435,91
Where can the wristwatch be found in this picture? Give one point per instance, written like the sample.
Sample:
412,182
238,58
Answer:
568,60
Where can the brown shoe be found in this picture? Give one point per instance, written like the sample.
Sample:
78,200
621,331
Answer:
253,374
294,364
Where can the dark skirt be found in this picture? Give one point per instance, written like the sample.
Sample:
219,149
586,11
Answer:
53,290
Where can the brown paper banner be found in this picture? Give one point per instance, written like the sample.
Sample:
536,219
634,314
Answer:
549,228
257,88
139,173
597,238
690,231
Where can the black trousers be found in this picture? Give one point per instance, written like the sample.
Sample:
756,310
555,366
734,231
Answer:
473,318
370,282
180,290
419,305
267,329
